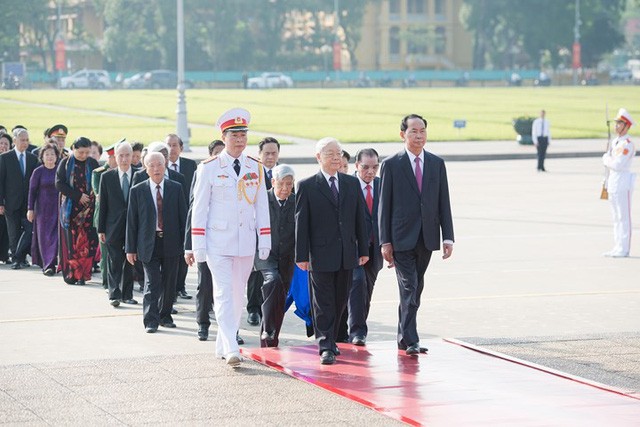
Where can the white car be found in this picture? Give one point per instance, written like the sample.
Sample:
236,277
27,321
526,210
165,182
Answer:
269,80
86,79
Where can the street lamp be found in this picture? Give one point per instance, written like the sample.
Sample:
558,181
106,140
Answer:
182,127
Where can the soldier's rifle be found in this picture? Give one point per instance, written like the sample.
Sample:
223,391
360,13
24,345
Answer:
604,193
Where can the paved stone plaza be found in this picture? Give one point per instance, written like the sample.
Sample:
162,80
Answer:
526,279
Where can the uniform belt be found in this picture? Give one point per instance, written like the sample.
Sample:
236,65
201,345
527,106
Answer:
160,234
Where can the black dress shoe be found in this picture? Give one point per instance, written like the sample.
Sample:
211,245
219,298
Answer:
174,311
239,339
25,264
359,341
114,302
412,350
49,272
168,325
184,295
151,329
16,266
203,333
80,282
327,358
130,301
253,319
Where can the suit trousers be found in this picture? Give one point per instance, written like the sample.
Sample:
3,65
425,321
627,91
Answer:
254,294
204,295
230,275
19,230
104,264
329,293
364,279
119,272
541,148
411,266
183,269
621,213
274,292
160,275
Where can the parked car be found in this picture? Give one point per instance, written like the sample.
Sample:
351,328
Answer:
86,79
154,79
269,80
620,75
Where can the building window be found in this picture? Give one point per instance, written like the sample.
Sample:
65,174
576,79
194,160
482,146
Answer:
416,7
394,7
441,40
394,41
440,10
417,40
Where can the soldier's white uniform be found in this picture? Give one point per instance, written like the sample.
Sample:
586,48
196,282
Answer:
620,187
230,211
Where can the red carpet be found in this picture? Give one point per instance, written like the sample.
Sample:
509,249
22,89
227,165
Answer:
454,386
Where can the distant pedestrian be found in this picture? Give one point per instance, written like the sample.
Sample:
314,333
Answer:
541,135
620,184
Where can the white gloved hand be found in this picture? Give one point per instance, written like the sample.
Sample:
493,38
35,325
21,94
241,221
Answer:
200,255
263,253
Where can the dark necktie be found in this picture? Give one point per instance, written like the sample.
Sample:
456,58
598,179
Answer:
236,166
269,175
22,168
369,199
125,186
175,167
334,189
418,174
159,205
282,202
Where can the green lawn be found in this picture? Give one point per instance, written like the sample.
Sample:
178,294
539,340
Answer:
351,115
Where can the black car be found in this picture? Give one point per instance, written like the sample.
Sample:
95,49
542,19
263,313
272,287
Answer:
155,79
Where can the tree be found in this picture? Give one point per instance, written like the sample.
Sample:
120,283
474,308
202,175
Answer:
504,28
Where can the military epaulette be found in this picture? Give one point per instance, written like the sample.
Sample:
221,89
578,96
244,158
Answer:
209,159
100,169
253,158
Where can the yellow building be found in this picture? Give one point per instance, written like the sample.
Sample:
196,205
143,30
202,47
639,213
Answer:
414,35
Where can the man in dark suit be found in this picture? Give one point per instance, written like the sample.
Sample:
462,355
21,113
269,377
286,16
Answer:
268,152
187,168
31,147
16,167
156,219
115,185
331,240
277,270
414,207
364,277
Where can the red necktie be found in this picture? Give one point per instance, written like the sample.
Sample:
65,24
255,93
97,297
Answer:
418,174
369,198
159,204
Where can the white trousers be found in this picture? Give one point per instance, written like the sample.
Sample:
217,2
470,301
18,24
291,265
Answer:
230,275
621,212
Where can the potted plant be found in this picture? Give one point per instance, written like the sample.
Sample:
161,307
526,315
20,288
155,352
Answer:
522,126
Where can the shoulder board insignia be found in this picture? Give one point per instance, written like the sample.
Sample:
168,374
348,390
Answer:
100,169
253,158
209,159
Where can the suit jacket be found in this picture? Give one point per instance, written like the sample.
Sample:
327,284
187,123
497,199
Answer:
404,212
142,175
112,217
14,188
283,228
371,220
141,221
95,184
267,181
330,236
187,169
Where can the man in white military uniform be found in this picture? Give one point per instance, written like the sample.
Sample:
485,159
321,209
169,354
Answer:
620,184
230,209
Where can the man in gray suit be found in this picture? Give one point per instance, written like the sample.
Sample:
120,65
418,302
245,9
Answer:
277,270
414,207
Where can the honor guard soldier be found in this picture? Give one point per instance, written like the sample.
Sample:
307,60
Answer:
230,211
95,184
620,182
